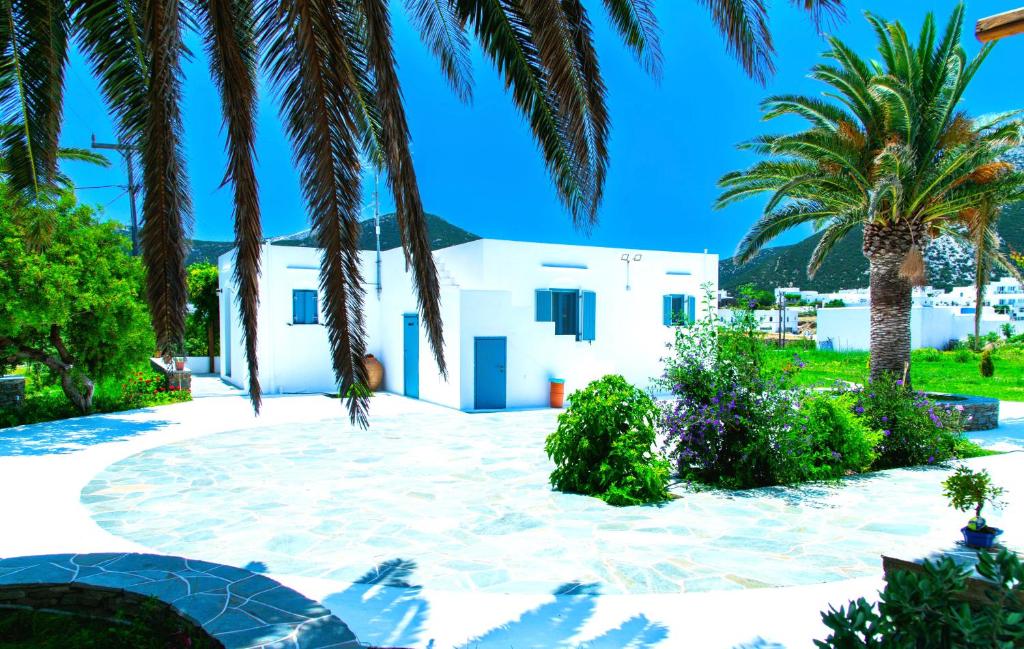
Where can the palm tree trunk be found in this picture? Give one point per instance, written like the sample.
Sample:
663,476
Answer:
891,298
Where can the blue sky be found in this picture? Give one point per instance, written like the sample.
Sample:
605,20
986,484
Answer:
479,168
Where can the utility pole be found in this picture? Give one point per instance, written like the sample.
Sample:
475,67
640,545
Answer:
127,151
376,224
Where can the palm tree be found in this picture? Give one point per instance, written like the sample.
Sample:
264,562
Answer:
887,149
333,66
979,225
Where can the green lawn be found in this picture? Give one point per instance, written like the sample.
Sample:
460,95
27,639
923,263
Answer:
931,370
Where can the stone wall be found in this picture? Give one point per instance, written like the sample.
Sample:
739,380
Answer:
12,391
983,412
96,602
173,378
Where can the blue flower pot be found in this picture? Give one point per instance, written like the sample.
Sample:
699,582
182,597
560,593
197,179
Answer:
980,539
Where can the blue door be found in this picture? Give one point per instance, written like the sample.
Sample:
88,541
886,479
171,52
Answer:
489,373
411,362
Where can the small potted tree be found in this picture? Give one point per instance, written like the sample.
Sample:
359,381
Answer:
967,490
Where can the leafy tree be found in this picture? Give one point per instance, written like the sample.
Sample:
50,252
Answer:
334,67
205,315
73,305
889,149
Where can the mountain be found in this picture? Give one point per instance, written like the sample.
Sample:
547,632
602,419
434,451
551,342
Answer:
442,235
949,263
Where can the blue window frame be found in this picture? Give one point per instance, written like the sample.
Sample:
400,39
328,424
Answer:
678,310
565,310
574,312
304,307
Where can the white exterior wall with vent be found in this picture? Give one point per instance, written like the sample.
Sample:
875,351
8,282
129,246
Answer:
488,289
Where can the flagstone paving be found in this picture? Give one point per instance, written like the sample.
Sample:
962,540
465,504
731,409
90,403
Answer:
465,499
240,609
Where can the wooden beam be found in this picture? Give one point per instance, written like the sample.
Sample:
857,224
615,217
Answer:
1001,25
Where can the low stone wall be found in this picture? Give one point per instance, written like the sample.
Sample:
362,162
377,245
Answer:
237,608
181,379
99,602
982,411
12,391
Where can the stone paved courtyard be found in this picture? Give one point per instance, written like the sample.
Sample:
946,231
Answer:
430,513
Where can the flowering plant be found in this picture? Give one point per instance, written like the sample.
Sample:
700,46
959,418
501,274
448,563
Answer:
143,389
915,429
729,424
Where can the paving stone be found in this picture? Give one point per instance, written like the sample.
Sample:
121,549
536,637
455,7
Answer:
243,610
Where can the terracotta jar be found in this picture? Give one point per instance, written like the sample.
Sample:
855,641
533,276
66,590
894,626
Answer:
557,393
374,372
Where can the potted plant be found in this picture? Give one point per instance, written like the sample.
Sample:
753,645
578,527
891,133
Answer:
179,360
967,490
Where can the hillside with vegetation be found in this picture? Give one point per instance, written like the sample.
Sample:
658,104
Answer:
442,235
949,263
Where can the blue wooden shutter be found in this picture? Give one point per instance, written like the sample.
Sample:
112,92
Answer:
544,306
666,310
312,312
691,309
296,307
588,319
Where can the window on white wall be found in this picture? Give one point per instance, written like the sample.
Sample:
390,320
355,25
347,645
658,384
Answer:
304,307
574,312
678,310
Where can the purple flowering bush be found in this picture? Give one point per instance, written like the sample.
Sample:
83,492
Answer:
915,430
737,423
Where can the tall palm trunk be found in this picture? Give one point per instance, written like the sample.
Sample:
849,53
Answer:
891,297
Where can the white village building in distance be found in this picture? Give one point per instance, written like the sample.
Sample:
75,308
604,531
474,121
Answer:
937,317
516,314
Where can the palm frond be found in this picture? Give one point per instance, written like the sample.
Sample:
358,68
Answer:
229,32
501,29
72,154
166,206
444,34
110,37
824,13
638,27
306,44
772,224
562,32
744,25
33,49
401,175
832,235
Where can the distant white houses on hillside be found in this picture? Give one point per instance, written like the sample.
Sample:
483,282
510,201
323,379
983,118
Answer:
515,315
770,320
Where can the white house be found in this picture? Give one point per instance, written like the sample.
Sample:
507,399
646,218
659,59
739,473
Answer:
1006,293
770,320
849,328
515,315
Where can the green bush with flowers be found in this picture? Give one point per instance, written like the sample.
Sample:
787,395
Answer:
738,422
139,388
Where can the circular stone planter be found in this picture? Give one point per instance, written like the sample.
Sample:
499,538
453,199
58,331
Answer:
237,608
982,412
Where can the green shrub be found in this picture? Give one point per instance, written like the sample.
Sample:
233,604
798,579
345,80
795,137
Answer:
963,355
828,440
915,430
986,366
142,388
923,610
926,355
604,445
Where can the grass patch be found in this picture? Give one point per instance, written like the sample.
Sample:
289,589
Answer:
930,370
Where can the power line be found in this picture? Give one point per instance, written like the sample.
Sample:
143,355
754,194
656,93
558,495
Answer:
101,186
128,152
